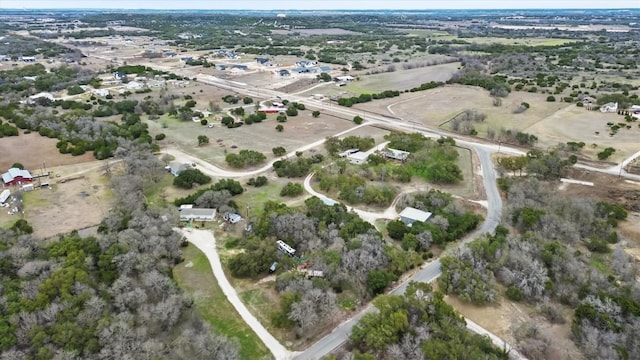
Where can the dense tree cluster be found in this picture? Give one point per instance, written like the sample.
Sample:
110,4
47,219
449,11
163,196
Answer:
233,187
418,325
297,167
109,296
187,178
335,145
245,158
355,189
352,256
545,259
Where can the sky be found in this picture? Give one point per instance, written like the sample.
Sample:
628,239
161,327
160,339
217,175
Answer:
317,4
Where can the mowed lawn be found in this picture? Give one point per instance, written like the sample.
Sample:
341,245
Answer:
212,305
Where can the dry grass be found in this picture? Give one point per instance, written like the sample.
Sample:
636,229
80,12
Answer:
32,150
75,204
299,131
578,124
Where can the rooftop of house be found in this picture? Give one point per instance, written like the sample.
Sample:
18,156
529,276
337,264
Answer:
198,212
415,214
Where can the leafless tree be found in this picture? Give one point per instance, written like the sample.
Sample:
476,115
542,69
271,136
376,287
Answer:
213,199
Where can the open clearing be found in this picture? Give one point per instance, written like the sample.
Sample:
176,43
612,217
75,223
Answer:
194,277
298,131
33,150
398,80
500,319
551,122
443,35
578,124
75,204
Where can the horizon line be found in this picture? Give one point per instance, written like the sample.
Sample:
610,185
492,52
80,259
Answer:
297,9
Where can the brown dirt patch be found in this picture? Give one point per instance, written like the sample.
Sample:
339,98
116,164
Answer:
67,206
606,187
500,320
32,150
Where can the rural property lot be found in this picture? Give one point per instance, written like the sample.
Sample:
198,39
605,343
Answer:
578,124
437,106
32,150
298,131
70,205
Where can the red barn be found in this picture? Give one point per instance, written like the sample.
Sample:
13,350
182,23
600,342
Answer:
16,176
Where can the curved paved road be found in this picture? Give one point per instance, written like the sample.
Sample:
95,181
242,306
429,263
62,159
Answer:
206,242
428,273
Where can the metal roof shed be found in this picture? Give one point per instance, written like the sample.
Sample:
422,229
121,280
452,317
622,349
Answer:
410,215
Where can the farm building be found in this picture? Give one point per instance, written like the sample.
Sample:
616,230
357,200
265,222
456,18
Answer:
410,215
358,158
4,196
16,176
197,214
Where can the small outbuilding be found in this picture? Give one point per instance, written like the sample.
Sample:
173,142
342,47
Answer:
410,215
4,196
232,218
197,214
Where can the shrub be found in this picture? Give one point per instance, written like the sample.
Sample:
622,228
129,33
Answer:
513,293
160,136
551,98
292,189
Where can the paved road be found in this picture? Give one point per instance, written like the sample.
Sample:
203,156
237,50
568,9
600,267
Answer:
428,273
206,242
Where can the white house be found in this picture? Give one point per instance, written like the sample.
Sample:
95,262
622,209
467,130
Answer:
396,154
410,215
134,85
100,92
345,78
197,214
609,107
358,157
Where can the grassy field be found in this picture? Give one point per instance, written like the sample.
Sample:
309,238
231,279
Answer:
253,198
212,305
443,35
298,131
398,80
578,124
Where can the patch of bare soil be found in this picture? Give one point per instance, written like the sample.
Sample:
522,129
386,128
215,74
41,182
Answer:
605,187
71,205
35,152
503,318
297,85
